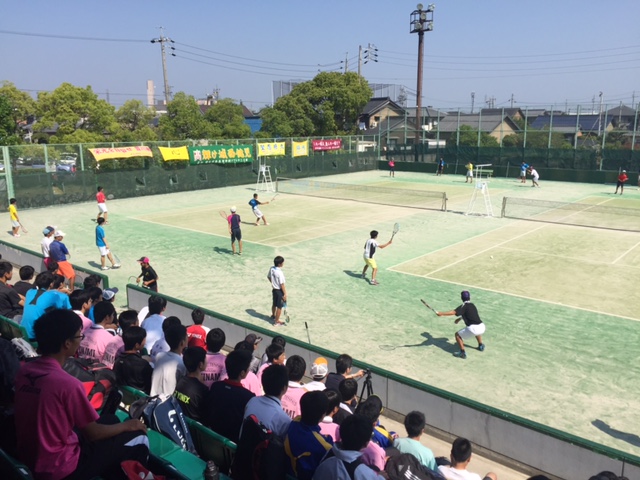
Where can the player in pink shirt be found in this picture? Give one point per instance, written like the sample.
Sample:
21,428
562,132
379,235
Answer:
96,338
216,369
290,401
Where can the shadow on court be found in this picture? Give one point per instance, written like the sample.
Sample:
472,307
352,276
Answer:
95,264
630,438
225,251
259,316
353,274
442,343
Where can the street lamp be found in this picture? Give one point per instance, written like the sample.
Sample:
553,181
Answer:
421,21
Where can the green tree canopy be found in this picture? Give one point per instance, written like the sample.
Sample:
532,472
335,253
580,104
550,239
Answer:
21,106
7,123
469,138
184,120
537,139
228,117
134,120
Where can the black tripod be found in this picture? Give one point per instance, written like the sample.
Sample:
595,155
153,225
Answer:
367,386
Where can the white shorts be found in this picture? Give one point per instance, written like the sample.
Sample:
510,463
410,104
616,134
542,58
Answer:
15,223
536,177
257,213
472,331
104,251
102,207
470,173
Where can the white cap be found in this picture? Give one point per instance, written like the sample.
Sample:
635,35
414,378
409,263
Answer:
59,233
233,209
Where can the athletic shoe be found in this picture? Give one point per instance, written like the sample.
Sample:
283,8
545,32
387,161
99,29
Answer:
461,354
374,282
481,347
116,265
239,253
16,235
104,268
279,324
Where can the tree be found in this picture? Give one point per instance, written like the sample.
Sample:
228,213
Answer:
228,117
184,120
134,120
74,108
21,106
469,138
537,139
7,123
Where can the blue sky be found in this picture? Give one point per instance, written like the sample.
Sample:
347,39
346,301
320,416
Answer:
548,52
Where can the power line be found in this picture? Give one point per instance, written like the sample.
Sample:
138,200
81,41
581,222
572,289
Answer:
73,37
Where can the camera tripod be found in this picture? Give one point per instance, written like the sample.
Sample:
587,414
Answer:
367,386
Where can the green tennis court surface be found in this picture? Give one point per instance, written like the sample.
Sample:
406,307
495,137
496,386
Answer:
558,300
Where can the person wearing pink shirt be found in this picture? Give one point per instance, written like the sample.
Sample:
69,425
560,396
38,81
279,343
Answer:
81,302
59,433
250,382
94,344
275,356
216,369
327,425
296,367
126,319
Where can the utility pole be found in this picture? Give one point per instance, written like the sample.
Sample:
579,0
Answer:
359,60
346,62
162,40
473,100
512,100
600,116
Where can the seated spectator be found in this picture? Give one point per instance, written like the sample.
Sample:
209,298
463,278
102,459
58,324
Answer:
39,301
190,391
380,434
344,364
605,475
327,425
296,367
96,297
280,340
348,389
93,280
414,423
215,369
227,399
59,285
355,432
275,356
24,285
153,322
304,444
254,340
109,294
128,318
169,367
319,371
60,435
197,332
130,368
161,344
81,303
268,409
251,381
96,337
11,303
373,454
460,458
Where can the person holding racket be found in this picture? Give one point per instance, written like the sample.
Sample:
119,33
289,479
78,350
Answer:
15,220
254,202
103,246
234,231
474,326
102,205
369,251
278,290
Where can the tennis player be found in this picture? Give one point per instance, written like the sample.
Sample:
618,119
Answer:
102,205
474,326
534,177
254,202
103,246
369,251
234,231
278,290
469,167
15,220
622,179
523,172
392,167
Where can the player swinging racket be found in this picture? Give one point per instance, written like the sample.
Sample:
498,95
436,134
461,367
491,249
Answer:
254,202
369,251
474,326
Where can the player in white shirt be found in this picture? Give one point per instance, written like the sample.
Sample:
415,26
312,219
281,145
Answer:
369,251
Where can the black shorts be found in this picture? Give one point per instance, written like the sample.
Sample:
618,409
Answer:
236,234
277,295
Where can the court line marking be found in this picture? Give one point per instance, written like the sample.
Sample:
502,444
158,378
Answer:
625,254
574,258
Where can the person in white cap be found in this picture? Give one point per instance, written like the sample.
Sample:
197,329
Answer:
234,231
46,243
622,178
319,372
58,253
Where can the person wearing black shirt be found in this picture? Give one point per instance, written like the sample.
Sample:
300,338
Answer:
190,391
11,303
344,363
24,285
130,368
148,275
474,326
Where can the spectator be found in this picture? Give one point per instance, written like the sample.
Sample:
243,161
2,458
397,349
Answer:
344,364
46,243
197,332
380,435
161,345
148,275
251,381
227,399
80,303
275,356
348,389
58,252
109,294
355,432
96,337
96,297
59,286
328,426
254,340
268,409
24,285
414,423
215,369
40,300
296,367
460,458
11,303
60,435
319,371
153,323
127,319
190,391
130,368
373,454
169,367
279,339
92,280
304,444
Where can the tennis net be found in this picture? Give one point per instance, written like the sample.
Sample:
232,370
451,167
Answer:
430,200
581,214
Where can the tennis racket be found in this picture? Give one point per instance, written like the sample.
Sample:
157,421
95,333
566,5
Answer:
223,214
429,306
23,229
111,196
285,313
116,258
274,197
396,229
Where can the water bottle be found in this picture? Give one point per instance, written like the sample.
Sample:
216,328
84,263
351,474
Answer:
211,472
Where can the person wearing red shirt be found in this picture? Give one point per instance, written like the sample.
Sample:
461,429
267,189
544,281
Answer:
622,178
102,205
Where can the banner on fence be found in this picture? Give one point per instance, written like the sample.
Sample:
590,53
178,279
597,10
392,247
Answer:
327,144
272,149
121,152
174,153
300,149
221,154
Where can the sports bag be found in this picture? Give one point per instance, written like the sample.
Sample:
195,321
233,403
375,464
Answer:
260,454
405,465
98,380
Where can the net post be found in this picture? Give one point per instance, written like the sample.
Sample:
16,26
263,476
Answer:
444,201
504,207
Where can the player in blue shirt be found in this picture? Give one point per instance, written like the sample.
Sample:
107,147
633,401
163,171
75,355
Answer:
254,202
523,172
103,246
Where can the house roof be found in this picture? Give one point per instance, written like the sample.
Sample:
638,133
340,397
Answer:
427,112
392,124
378,103
512,112
485,123
622,111
586,123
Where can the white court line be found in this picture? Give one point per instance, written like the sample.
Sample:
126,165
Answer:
625,254
570,258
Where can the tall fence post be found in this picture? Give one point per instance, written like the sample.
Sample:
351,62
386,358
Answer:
8,172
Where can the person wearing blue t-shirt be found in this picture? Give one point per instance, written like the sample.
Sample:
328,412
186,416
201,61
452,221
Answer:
39,301
254,202
523,172
103,246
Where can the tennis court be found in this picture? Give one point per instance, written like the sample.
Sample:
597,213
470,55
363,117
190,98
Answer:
558,300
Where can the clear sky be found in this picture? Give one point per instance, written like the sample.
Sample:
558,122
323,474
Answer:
545,52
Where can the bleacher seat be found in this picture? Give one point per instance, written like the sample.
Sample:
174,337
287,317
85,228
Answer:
12,469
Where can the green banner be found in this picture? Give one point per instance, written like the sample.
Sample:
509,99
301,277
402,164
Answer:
221,154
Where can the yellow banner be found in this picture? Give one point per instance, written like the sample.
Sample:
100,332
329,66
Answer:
121,152
300,149
177,153
271,149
